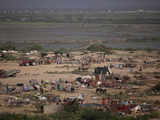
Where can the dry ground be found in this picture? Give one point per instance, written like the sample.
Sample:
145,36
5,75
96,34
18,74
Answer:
40,73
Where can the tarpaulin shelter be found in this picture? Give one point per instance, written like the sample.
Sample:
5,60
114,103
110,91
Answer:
101,72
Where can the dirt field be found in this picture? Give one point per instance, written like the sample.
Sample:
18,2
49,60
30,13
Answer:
53,72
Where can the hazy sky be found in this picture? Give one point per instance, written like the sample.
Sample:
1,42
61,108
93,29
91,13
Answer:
97,4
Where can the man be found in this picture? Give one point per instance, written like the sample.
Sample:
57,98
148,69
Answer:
41,90
7,89
72,88
41,108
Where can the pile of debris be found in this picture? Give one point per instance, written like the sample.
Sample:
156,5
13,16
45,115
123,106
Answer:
9,73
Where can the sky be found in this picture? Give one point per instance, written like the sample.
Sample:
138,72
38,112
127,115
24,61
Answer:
84,4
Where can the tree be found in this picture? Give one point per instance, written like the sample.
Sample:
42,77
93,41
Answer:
8,46
99,48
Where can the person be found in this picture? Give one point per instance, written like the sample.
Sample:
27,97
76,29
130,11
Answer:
88,84
7,89
81,96
66,82
58,86
103,101
109,99
54,99
59,101
68,55
42,82
41,108
99,83
41,90
64,101
140,68
72,88
119,101
60,80
131,70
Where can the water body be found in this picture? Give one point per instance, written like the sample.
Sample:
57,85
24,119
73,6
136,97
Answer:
69,35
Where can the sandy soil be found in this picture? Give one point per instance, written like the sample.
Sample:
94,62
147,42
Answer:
61,71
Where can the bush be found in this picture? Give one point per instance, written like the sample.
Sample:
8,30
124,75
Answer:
8,57
8,116
71,108
90,114
8,46
148,50
79,114
156,87
61,51
155,114
144,117
35,47
86,114
43,54
130,49
99,48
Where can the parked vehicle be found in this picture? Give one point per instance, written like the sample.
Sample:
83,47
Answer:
29,62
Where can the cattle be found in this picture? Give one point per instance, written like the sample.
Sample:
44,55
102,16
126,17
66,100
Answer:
101,91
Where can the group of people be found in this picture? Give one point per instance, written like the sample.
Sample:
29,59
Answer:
65,86
118,104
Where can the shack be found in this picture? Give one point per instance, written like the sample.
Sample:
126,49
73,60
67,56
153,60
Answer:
101,73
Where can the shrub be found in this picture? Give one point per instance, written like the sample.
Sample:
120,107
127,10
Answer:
9,116
43,54
35,47
79,114
155,114
89,114
61,51
8,57
149,50
8,46
130,49
99,48
156,87
144,117
71,108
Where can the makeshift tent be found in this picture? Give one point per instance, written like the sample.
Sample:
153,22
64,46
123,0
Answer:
101,72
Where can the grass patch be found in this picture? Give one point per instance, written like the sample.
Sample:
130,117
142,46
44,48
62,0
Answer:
77,114
155,114
9,116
